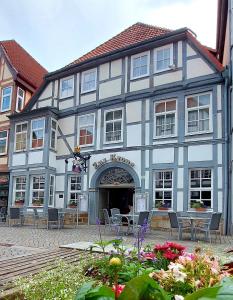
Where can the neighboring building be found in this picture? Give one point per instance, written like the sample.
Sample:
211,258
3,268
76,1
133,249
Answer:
224,46
147,105
20,76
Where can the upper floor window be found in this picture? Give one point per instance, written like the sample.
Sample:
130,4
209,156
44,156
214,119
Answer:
37,133
163,189
163,58
20,99
165,118
86,129
67,87
21,136
200,188
113,124
53,138
198,113
6,98
89,81
140,65
3,142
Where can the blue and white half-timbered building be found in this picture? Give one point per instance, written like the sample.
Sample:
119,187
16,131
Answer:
147,106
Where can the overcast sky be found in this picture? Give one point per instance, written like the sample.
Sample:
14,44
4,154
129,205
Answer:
56,32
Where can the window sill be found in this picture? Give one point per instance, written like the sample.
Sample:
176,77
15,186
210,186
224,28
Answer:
112,143
164,137
87,92
65,97
198,133
164,70
139,77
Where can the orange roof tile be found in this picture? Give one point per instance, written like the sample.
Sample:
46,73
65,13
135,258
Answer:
23,63
134,34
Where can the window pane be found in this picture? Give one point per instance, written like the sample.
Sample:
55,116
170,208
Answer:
159,195
170,105
109,116
204,99
160,107
206,195
192,102
195,195
118,114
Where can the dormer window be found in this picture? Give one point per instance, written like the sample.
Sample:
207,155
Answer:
67,87
20,100
140,65
163,58
89,81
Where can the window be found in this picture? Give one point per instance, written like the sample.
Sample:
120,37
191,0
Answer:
113,126
21,136
163,189
37,133
198,108
53,138
75,188
163,58
51,190
200,186
20,100
3,142
38,190
19,189
86,130
165,118
89,81
140,65
67,87
6,98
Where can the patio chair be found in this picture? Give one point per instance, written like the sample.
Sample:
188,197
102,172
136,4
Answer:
3,213
108,222
37,217
53,218
142,219
176,224
16,216
210,227
114,212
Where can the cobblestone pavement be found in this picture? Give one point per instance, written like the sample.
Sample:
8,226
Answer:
18,241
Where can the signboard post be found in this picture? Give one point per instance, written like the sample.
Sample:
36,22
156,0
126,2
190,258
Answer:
83,205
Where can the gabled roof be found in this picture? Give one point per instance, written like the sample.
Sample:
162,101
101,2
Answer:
26,67
134,34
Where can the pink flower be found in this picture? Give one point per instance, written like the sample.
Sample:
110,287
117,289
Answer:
118,289
149,256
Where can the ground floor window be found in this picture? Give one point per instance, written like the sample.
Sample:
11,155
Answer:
200,188
163,189
51,190
75,188
19,190
38,190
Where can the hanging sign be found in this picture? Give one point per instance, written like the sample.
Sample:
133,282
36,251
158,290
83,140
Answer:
113,158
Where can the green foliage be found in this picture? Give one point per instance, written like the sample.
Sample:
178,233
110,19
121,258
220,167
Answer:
87,292
132,270
59,283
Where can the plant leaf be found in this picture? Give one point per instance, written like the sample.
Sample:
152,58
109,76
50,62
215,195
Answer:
84,289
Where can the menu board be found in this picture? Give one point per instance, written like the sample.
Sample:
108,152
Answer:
83,203
141,202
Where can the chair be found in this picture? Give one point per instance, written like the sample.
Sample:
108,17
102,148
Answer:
176,224
53,217
142,219
210,227
3,213
15,215
114,212
37,217
108,221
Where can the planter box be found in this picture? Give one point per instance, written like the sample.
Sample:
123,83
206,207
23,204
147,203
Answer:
200,209
163,208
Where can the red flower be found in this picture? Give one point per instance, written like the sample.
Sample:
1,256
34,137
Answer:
118,289
149,256
178,247
170,255
163,247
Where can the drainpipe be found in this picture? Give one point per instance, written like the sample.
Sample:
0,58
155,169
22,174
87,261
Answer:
227,168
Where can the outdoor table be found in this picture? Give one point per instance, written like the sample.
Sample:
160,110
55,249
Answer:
129,217
73,212
192,220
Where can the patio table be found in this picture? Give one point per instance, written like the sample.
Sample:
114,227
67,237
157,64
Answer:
192,220
129,217
72,212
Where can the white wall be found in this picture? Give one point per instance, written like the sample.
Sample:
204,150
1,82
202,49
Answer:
164,155
134,112
200,153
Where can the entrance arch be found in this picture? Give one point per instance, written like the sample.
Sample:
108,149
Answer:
112,185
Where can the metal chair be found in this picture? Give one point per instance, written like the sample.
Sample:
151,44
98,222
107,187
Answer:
210,227
53,217
37,217
15,215
142,220
3,213
114,218
108,221
176,224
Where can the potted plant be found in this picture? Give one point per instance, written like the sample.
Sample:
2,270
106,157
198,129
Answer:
37,202
19,202
160,205
198,205
72,204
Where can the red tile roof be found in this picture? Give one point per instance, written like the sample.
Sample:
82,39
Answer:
24,64
132,35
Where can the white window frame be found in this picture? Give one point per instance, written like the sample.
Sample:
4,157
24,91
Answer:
163,189
5,138
31,148
170,46
31,188
82,80
200,188
21,123
122,123
165,113
85,145
21,190
53,130
20,97
53,194
148,64
9,108
72,92
198,108
79,192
